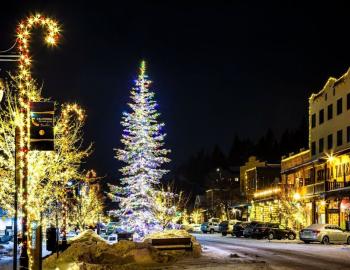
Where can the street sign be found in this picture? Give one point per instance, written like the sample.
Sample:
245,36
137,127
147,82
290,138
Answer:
41,126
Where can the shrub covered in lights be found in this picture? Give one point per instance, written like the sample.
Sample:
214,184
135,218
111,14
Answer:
143,154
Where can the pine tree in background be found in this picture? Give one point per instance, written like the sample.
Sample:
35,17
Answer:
144,155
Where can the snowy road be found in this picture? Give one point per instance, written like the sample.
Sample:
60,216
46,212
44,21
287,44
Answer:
275,254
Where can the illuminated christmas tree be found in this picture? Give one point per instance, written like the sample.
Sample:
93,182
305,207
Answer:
144,155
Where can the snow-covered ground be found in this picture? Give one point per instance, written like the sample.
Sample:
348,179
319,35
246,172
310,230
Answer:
240,254
224,253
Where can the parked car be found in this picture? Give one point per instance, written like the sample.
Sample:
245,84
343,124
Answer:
260,230
239,227
325,234
210,227
247,232
226,227
278,231
216,220
273,231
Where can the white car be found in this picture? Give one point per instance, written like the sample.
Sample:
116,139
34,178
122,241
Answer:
210,227
325,234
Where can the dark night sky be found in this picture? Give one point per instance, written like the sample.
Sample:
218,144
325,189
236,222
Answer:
217,69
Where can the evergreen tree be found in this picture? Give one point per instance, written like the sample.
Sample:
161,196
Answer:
144,155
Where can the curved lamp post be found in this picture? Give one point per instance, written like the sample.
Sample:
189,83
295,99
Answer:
25,84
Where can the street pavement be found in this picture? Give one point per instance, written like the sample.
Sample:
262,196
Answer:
275,254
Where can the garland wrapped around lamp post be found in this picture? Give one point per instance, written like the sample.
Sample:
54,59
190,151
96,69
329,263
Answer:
25,85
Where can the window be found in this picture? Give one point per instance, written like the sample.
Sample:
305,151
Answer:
313,120
339,106
339,137
320,145
330,112
313,148
321,117
348,101
330,141
337,228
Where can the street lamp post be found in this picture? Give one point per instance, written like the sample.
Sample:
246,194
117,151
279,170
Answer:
25,83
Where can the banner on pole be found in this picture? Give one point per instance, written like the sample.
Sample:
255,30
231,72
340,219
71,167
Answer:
41,126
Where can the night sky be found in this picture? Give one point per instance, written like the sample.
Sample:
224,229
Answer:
218,70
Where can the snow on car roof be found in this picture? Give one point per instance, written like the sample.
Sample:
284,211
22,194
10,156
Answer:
316,226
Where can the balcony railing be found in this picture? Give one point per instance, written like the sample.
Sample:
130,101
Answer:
322,187
333,185
313,189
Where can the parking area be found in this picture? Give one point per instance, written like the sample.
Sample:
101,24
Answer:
277,254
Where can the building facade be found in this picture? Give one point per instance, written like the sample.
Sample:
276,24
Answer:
329,142
260,183
296,176
256,175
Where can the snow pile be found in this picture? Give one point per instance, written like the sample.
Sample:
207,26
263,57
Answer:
89,251
88,235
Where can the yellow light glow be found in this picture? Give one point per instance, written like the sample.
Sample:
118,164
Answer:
330,158
296,196
50,40
267,192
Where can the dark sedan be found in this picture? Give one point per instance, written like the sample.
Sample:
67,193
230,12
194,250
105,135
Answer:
239,228
272,231
247,232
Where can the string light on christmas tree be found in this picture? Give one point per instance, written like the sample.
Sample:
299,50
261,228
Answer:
144,155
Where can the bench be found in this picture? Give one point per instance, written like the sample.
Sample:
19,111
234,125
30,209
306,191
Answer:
172,243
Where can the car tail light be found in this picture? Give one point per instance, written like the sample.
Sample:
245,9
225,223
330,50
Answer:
316,232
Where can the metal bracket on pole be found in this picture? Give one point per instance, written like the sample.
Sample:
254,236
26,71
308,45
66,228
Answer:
9,57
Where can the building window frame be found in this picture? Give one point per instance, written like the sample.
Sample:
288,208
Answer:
339,106
321,117
330,112
320,145
340,137
330,141
313,148
313,120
